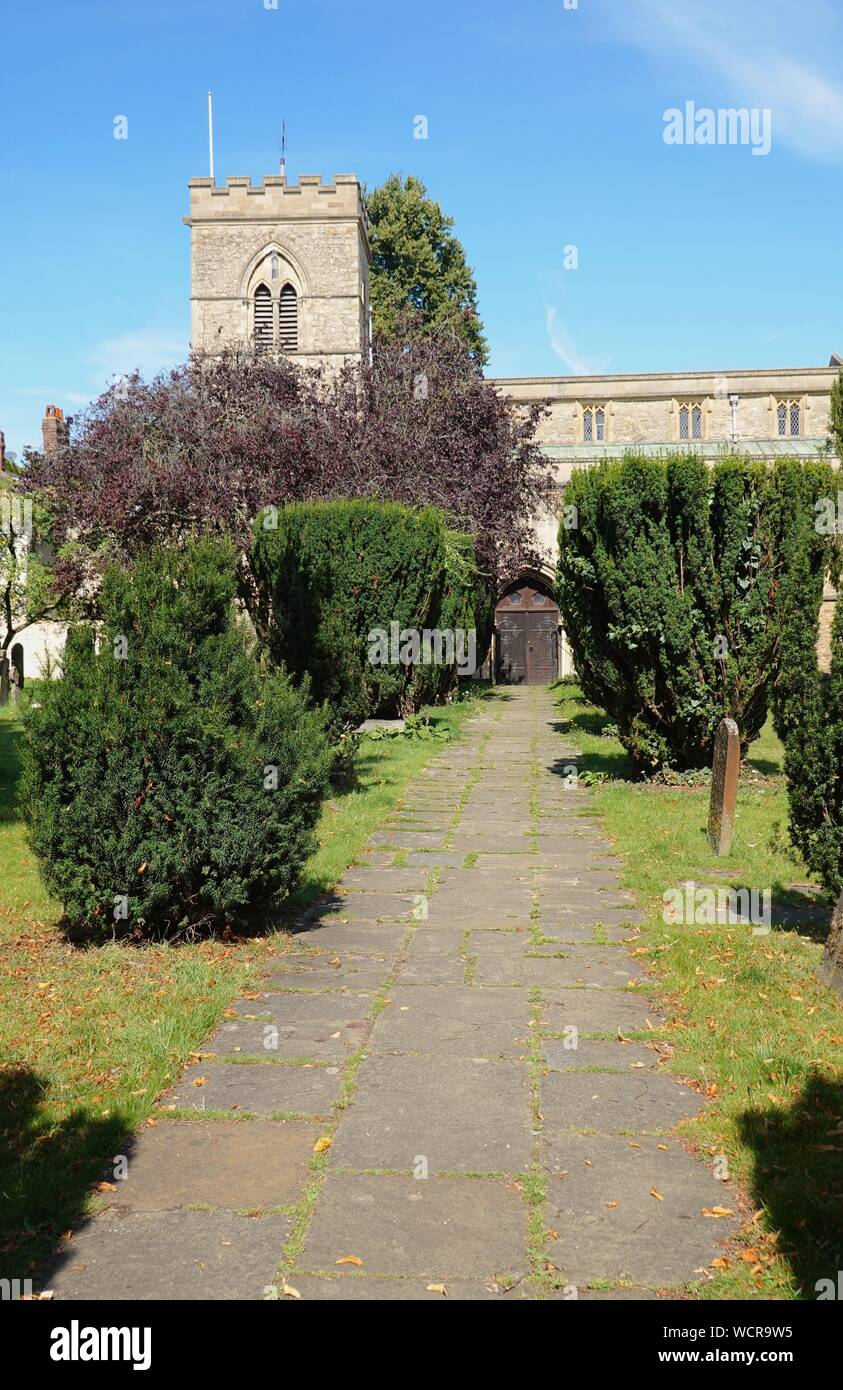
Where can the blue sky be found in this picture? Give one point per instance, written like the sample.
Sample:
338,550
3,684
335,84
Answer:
545,131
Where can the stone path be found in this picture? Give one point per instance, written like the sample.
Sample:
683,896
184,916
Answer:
466,1021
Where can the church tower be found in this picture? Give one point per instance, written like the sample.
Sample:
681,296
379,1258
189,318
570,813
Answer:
284,267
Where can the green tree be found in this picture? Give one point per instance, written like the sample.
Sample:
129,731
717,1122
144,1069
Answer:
418,265
28,592
835,422
680,585
171,782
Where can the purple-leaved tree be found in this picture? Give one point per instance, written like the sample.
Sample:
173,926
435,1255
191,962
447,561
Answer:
203,447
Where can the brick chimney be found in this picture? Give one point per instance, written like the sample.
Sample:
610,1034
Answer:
54,430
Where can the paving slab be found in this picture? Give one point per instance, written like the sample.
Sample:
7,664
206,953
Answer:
363,1288
435,859
411,880
409,839
461,1115
353,976
597,1053
309,1038
453,1021
614,1102
371,907
470,1228
265,1088
361,938
598,1011
220,1163
642,1239
175,1256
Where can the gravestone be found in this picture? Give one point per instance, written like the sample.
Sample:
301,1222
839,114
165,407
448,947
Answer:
724,786
4,680
16,673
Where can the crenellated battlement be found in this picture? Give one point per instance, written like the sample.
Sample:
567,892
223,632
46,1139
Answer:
281,263
275,198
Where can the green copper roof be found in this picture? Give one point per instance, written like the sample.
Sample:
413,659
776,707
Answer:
754,448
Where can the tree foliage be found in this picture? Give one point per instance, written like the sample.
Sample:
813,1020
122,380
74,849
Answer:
418,264
29,591
677,584
148,765
835,423
204,447
332,575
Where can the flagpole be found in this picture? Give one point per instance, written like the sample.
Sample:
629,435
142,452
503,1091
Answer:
211,131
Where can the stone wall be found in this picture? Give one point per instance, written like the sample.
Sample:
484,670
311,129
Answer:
320,233
645,409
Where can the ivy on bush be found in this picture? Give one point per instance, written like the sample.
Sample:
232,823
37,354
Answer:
676,582
169,784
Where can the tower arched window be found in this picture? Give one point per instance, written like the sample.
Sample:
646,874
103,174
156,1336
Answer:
288,320
263,319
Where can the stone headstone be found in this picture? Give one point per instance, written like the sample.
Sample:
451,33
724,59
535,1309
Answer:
16,673
724,786
4,680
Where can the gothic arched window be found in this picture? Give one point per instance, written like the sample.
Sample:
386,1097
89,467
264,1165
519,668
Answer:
690,420
263,319
594,424
789,418
288,320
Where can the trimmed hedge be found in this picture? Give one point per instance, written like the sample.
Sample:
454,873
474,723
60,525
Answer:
676,584
148,769
331,574
814,755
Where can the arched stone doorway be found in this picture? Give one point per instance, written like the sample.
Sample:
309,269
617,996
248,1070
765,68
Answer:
528,633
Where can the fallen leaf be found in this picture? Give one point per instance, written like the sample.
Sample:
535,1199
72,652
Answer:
322,1145
289,1292
654,1192
438,1288
717,1211
349,1260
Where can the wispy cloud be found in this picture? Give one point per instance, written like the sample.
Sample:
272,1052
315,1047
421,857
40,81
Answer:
565,348
47,393
776,54
148,350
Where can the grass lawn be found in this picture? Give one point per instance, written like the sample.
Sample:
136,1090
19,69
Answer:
748,1023
89,1036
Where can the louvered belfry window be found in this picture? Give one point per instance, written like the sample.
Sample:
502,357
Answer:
263,319
288,319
